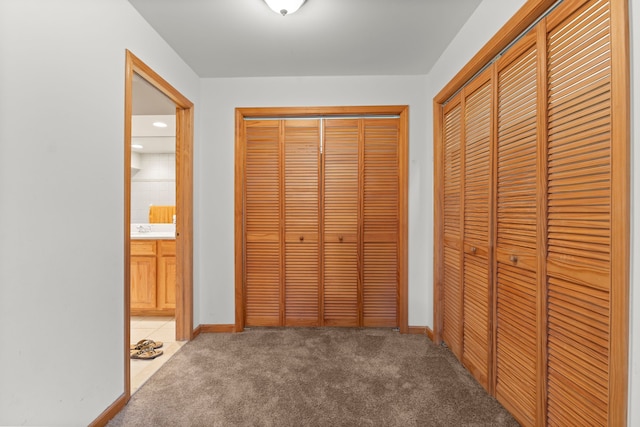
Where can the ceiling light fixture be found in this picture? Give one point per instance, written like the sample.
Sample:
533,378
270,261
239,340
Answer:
137,146
160,124
284,7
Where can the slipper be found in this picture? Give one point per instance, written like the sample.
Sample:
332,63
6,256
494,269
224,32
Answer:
144,343
146,353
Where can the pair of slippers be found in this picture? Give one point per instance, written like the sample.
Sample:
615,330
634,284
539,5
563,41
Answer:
146,349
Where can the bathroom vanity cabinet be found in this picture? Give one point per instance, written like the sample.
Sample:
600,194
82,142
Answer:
153,277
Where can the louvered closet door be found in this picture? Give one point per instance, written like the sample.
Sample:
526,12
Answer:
380,223
262,223
341,219
516,253
302,263
579,215
452,328
477,203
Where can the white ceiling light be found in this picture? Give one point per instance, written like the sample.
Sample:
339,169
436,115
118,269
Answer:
284,7
160,124
137,146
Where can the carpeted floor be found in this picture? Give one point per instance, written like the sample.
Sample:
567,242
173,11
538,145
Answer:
312,377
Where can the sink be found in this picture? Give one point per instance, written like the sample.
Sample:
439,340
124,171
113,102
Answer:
153,231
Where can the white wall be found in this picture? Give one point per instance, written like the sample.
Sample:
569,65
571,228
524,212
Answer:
61,202
220,97
485,22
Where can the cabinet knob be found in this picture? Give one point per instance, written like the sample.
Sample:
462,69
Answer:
301,238
341,237
513,259
473,250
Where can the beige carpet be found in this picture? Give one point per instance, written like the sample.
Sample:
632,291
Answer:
312,377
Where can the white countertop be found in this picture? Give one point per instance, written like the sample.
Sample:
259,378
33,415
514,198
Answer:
153,231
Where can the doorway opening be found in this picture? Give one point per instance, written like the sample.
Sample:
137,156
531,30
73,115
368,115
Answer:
158,216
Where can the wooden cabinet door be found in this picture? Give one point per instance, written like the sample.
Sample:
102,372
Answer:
143,274
262,202
341,201
301,219
476,355
452,319
517,233
166,274
380,223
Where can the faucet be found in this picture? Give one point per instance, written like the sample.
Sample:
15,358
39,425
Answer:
143,229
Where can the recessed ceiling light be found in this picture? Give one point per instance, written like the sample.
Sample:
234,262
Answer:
160,124
137,146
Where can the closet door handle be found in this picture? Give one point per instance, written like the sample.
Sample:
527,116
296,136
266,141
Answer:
341,237
513,259
473,250
301,238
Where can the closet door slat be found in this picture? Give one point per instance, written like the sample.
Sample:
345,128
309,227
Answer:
579,240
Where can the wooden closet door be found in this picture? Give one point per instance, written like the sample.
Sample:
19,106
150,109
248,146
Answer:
452,319
380,223
263,258
517,227
477,208
302,263
579,215
341,218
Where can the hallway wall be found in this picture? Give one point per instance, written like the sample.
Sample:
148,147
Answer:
220,97
61,223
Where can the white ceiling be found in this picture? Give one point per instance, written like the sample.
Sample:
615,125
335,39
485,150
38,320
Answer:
244,38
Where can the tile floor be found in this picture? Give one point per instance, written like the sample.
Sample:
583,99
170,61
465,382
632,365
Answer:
158,329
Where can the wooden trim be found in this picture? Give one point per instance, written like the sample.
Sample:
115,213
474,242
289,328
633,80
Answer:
196,332
184,204
208,329
542,177
111,411
523,18
438,222
184,223
128,109
403,235
620,212
239,221
420,330
284,112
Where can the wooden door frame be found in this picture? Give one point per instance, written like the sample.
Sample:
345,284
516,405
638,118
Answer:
403,202
184,203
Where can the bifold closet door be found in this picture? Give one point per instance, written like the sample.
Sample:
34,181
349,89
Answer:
342,283
380,229
452,324
301,222
361,226
263,246
321,228
477,307
579,215
517,232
